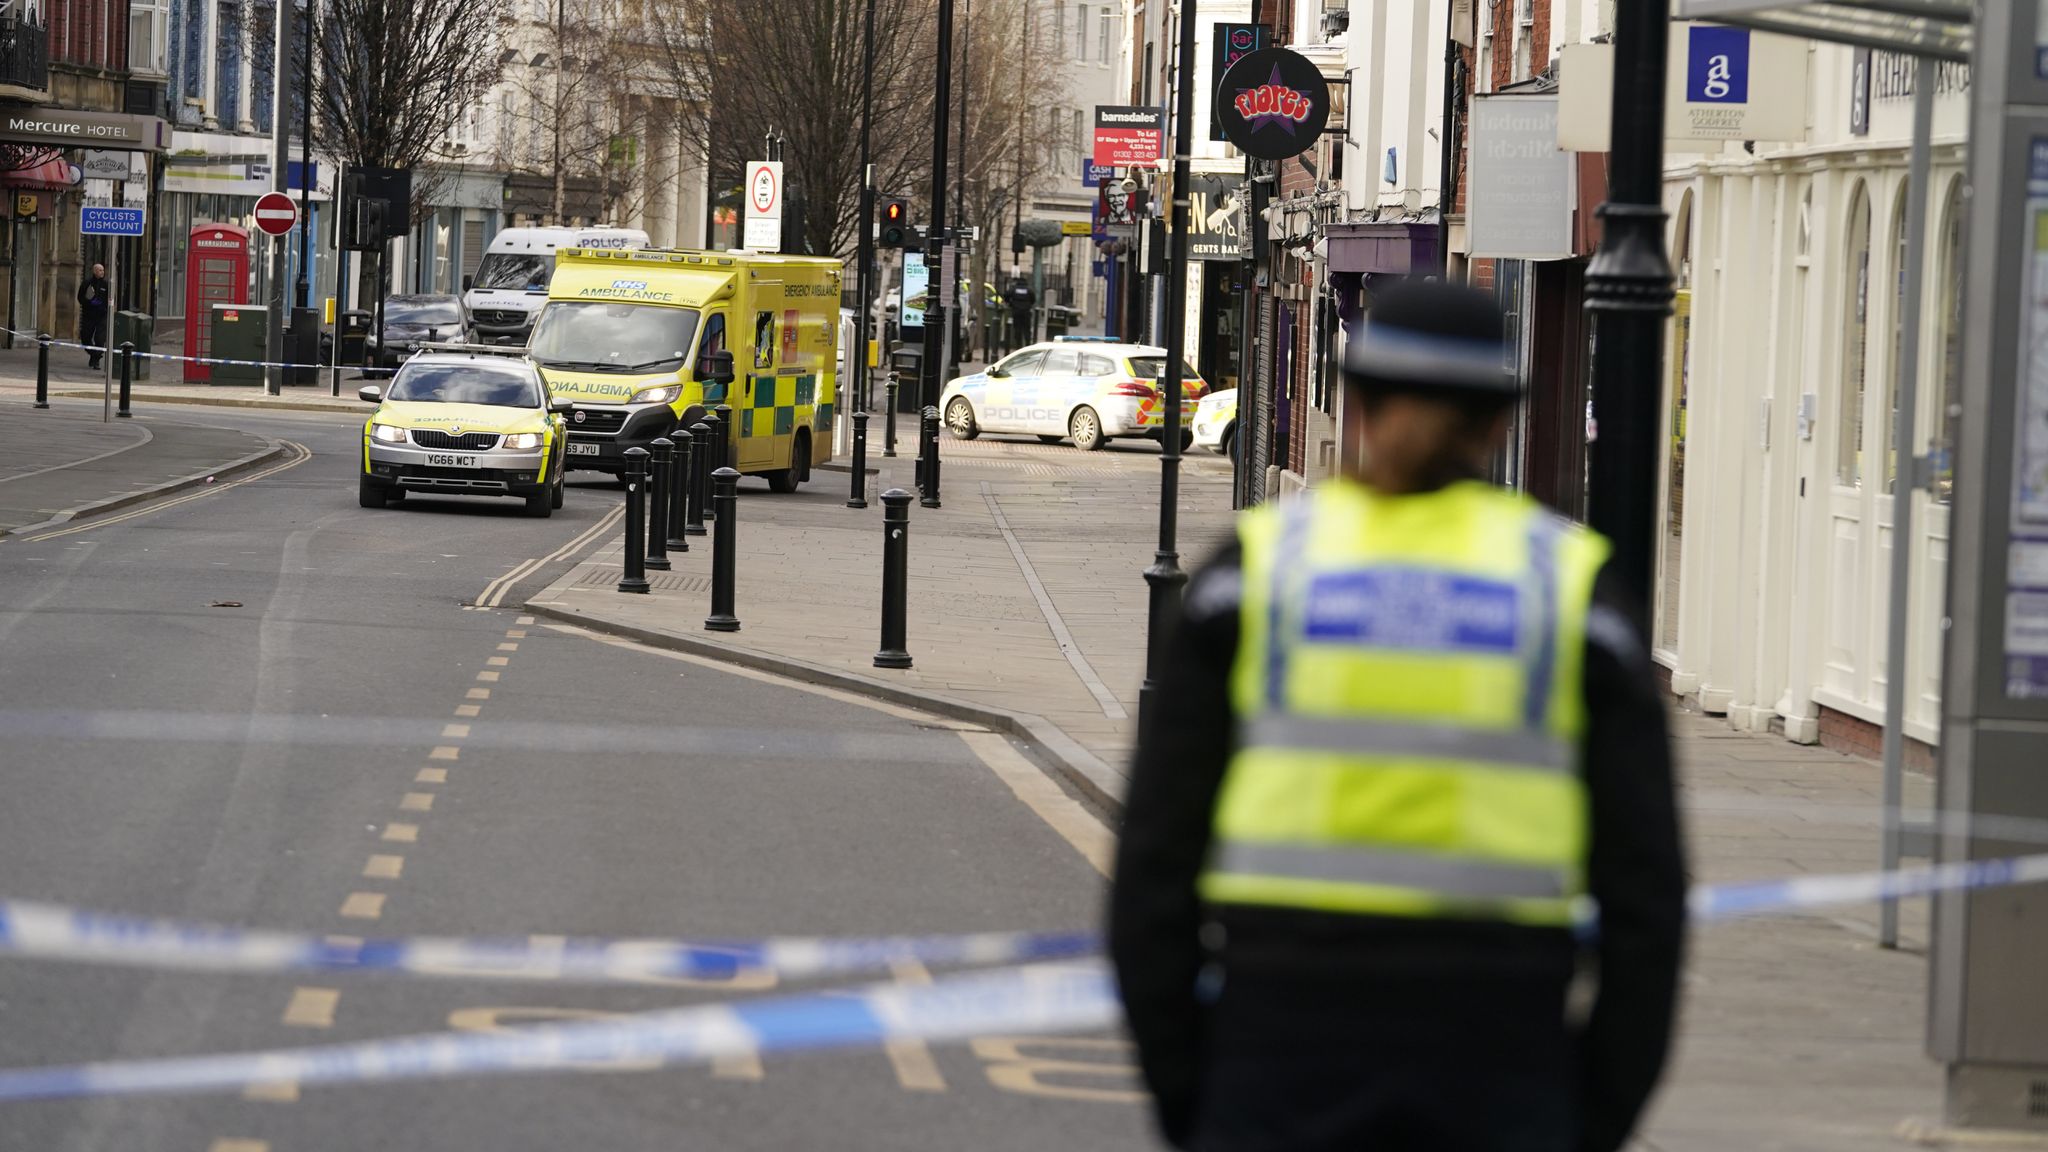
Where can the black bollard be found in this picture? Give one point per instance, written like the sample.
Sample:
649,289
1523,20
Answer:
928,472
42,369
679,479
700,479
889,417
895,578
713,451
859,499
726,432
657,504
724,555
634,578
127,374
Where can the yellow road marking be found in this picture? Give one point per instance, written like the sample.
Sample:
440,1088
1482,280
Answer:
312,1007
301,454
1014,1069
238,1146
363,905
445,752
1075,824
494,593
275,1091
431,776
916,1070
468,710
738,1066
417,802
516,633
488,677
499,661
381,867
402,833
508,647
454,731
478,694
526,619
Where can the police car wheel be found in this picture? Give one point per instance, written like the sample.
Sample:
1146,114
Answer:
1086,429
960,419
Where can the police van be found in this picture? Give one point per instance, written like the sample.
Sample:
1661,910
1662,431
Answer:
511,283
644,341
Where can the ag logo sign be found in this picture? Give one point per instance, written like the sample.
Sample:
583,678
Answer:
1272,104
1717,65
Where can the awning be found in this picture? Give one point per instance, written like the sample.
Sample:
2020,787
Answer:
57,173
1374,246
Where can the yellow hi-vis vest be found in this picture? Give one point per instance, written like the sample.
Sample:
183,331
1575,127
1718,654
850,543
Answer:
1410,711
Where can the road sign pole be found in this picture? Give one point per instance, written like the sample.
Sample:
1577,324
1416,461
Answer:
107,329
280,181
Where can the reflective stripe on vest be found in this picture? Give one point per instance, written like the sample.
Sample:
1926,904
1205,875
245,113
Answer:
1410,708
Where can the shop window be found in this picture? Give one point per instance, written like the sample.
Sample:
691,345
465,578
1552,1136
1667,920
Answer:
1941,447
1855,351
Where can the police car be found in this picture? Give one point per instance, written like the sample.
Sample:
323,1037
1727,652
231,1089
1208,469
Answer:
1085,389
1216,422
466,421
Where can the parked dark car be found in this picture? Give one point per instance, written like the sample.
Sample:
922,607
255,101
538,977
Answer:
410,321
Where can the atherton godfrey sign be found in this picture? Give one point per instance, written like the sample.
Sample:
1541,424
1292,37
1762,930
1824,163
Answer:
1126,137
1273,104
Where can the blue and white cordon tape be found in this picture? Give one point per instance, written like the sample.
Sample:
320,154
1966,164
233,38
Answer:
141,355
51,932
1068,996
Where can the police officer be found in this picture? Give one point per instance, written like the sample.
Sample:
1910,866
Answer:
1406,729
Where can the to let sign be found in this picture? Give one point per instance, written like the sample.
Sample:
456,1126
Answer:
1128,136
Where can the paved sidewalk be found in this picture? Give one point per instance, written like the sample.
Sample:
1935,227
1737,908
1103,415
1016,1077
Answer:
69,377
1799,1033
63,462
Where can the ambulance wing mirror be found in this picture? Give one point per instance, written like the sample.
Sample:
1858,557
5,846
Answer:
715,367
468,282
561,407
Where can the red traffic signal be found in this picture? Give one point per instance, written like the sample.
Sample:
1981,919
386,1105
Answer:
896,231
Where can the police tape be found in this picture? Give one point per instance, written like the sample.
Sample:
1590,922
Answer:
1067,997
140,355
52,932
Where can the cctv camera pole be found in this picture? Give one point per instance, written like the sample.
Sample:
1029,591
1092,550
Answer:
935,241
863,282
280,182
1628,292
1165,577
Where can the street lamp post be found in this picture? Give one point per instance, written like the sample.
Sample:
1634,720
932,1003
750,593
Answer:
306,166
1165,577
935,241
1628,291
863,279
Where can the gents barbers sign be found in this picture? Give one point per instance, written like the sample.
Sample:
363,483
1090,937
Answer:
83,129
1273,103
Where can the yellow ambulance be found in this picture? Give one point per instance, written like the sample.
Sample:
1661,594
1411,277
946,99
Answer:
643,341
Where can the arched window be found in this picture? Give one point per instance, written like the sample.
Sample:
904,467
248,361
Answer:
1941,446
1855,353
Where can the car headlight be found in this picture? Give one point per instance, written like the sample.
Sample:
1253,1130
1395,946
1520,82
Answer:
387,433
662,395
523,440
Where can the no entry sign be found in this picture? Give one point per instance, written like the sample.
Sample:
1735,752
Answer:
276,214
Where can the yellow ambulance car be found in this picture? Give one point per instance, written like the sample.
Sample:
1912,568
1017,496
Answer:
643,341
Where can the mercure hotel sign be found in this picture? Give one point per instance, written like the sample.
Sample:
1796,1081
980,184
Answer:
95,129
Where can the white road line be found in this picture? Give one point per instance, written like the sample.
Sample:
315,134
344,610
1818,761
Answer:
1068,648
494,592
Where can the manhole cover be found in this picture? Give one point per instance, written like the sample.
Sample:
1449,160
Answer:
659,581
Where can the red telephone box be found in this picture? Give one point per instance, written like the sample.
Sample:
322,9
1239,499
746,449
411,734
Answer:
216,272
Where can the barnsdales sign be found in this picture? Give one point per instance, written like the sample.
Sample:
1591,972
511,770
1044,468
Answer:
1273,104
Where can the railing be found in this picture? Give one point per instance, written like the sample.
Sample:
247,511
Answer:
24,54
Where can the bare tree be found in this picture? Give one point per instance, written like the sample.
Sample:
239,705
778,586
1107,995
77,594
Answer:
397,75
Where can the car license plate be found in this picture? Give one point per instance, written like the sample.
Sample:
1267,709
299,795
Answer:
583,450
440,461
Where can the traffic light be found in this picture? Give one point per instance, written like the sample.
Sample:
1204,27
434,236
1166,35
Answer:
896,228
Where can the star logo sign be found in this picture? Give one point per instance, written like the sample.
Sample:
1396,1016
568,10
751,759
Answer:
1272,104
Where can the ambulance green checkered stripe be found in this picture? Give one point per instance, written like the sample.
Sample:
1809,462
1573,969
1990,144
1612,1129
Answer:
785,419
764,391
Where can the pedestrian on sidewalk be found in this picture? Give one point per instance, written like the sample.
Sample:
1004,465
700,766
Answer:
1020,298
1404,730
92,314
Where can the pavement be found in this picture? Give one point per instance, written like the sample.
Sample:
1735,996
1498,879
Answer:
256,703
69,377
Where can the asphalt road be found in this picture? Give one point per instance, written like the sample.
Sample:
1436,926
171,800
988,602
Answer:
265,706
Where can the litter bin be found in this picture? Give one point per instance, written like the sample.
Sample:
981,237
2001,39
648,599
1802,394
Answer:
240,332
1061,319
135,328
909,378
355,333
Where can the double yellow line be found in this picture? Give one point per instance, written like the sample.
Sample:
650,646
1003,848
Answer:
298,454
494,593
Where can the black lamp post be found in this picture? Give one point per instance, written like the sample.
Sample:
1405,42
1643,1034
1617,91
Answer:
306,166
1165,577
864,277
1628,291
934,247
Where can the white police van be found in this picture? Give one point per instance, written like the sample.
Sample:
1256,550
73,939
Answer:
511,283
